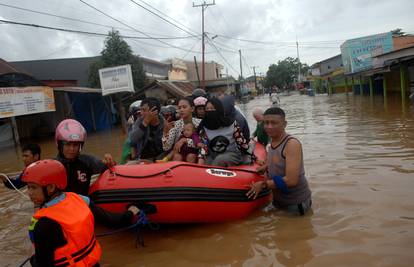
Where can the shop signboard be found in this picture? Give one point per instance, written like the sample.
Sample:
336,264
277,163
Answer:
357,53
17,101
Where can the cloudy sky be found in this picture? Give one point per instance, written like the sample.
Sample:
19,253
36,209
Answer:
264,30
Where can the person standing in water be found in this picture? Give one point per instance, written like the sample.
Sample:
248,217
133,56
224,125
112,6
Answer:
30,154
285,173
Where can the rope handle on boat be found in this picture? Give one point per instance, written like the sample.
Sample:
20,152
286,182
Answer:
14,187
113,172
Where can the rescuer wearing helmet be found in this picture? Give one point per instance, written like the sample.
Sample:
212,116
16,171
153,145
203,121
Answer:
62,228
70,137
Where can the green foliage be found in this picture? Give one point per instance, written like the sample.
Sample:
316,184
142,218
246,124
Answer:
283,73
117,52
398,33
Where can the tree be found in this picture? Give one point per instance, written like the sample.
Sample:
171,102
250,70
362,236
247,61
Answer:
283,73
117,52
398,33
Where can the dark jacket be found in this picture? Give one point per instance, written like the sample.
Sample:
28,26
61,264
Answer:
140,136
232,112
80,171
17,182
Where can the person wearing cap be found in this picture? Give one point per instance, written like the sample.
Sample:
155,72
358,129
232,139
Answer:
62,228
199,92
133,116
200,107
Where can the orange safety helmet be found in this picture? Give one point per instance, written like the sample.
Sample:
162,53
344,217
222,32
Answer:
45,172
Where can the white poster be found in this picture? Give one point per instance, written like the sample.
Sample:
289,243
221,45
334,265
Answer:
16,101
116,79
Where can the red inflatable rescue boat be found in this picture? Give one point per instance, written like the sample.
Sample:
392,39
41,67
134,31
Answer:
182,192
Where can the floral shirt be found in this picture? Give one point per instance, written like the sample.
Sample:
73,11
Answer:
241,142
175,133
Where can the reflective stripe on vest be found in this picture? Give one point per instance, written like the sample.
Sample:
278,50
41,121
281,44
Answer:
76,220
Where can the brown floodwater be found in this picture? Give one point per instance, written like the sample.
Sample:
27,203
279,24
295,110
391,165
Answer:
359,159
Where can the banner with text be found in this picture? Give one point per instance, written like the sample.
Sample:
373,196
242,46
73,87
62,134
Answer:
116,79
17,101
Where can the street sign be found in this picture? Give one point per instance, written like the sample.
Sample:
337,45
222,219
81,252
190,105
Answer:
116,79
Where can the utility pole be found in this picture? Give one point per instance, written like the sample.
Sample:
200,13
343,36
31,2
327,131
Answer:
196,67
297,51
255,78
203,6
241,75
227,79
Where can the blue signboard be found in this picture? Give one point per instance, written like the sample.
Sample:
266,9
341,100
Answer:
357,53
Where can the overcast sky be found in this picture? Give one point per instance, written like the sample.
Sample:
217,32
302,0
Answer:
319,25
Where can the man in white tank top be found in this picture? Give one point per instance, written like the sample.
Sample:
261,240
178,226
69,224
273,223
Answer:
284,169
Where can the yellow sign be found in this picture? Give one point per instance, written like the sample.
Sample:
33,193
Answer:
17,101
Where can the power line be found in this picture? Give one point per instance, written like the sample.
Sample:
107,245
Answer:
225,60
162,13
69,18
247,64
58,16
69,45
188,52
164,19
123,23
273,43
89,33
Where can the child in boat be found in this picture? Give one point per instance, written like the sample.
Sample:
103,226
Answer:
191,144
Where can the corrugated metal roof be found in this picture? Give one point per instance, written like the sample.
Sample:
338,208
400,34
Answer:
176,88
6,67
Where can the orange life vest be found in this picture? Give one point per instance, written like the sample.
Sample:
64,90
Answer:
77,222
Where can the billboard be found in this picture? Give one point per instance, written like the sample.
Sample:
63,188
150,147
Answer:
357,53
116,79
16,101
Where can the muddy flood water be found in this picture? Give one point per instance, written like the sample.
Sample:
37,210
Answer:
359,159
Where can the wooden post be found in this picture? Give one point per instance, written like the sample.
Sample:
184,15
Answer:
92,115
402,82
371,87
329,87
122,115
346,85
353,85
384,87
15,131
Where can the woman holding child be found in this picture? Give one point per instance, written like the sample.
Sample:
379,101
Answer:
174,133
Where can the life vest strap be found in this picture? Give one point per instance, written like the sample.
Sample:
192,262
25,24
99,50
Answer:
78,255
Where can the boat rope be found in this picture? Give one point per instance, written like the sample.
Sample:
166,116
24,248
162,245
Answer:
141,222
25,261
14,187
176,166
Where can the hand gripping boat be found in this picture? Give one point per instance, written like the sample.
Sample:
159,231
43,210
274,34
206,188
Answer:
182,192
